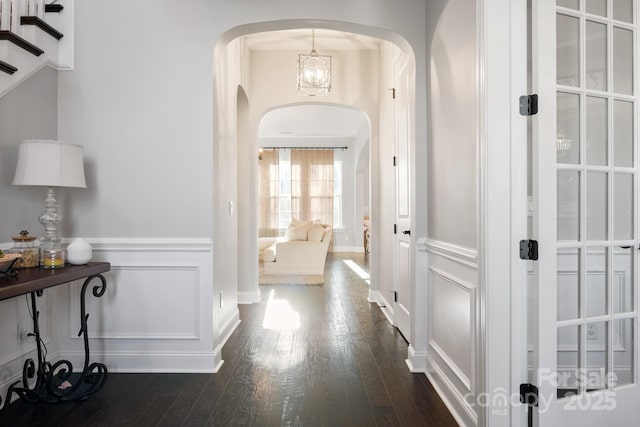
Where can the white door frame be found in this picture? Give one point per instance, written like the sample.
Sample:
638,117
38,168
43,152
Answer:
502,77
402,284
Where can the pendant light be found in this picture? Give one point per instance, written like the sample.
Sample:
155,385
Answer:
314,72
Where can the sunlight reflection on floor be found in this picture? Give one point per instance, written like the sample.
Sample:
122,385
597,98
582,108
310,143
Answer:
358,270
279,314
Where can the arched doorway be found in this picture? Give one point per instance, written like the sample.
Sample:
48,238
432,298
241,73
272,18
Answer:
242,59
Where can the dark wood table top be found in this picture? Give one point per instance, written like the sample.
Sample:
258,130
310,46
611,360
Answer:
38,278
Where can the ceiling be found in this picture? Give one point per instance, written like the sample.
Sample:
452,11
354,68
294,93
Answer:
311,121
300,124
300,39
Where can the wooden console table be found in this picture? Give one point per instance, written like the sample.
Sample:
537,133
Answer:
56,383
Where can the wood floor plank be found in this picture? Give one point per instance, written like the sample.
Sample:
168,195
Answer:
185,400
344,365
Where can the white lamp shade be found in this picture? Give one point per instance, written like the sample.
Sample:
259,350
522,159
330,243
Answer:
49,163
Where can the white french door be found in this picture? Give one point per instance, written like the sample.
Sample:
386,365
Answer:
585,186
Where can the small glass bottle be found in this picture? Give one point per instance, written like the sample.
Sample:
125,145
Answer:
53,258
52,255
25,246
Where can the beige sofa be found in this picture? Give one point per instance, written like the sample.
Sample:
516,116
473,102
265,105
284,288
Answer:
301,252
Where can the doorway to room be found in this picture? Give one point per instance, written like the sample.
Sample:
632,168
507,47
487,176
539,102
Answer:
366,79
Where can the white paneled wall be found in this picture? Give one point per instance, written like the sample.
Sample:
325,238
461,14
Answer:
452,280
155,316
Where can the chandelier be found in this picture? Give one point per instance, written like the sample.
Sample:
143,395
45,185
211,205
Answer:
563,144
314,72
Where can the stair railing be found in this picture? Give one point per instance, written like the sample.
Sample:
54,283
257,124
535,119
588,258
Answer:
33,8
6,14
43,29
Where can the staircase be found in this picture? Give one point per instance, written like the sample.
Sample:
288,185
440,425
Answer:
34,34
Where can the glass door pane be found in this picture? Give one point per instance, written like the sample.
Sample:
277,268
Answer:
623,133
622,61
623,10
597,131
596,55
568,54
596,181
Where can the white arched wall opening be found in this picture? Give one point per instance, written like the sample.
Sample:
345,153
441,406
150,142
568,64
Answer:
247,222
232,69
326,124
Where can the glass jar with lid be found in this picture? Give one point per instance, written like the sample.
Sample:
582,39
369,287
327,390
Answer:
25,246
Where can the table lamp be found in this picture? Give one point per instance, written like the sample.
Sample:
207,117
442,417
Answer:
50,164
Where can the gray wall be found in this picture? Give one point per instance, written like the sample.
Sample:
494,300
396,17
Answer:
453,128
27,112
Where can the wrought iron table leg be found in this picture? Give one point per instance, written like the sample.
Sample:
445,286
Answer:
53,380
9,271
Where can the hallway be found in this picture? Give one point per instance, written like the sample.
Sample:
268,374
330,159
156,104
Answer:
305,355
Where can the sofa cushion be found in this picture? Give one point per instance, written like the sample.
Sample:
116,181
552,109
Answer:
265,242
269,254
298,230
315,233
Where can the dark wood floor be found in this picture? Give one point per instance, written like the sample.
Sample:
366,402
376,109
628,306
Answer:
344,366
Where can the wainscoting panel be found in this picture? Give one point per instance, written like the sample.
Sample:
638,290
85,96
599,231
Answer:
154,302
452,278
450,323
158,314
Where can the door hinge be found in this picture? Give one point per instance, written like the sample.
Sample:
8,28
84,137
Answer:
394,160
395,228
529,396
529,105
529,249
393,92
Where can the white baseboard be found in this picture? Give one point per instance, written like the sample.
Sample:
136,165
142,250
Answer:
348,249
146,362
416,360
251,297
383,304
459,408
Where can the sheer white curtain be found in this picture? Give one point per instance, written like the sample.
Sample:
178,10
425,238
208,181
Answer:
269,215
303,190
312,185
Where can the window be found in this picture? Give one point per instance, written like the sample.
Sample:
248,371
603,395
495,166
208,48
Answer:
284,214
305,188
337,194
